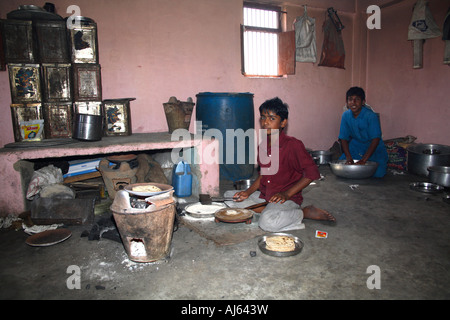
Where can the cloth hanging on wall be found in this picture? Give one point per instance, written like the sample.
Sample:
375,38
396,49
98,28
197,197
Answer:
422,25
333,52
446,37
305,38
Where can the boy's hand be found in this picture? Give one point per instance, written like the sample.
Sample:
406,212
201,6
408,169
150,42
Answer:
279,197
240,196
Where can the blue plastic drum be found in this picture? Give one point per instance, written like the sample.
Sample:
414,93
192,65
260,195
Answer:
226,113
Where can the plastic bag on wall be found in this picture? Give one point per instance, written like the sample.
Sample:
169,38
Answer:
333,52
305,39
422,25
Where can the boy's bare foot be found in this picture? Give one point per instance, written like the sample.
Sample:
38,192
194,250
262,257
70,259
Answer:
313,213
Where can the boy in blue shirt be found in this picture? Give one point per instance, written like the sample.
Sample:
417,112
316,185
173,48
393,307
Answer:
360,133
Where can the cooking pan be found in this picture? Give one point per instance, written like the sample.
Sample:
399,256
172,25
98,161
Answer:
439,175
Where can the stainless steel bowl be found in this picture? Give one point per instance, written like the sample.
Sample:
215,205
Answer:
323,156
353,171
439,175
243,184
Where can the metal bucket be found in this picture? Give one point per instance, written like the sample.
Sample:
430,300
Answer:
88,127
146,233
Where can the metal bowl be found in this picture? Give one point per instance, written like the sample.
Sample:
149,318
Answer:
243,184
353,171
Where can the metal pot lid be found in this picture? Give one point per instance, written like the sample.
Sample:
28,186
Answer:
32,12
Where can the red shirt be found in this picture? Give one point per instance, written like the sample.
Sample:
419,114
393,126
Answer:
294,162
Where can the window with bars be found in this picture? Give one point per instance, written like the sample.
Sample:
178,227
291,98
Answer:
266,50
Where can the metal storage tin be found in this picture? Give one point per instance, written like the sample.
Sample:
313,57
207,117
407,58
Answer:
19,45
58,120
56,82
24,112
88,107
87,127
25,83
83,40
87,83
52,43
117,117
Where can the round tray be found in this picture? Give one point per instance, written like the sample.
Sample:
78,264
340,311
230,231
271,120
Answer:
426,187
234,215
48,237
198,210
297,250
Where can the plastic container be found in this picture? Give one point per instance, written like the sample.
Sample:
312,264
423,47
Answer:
224,111
182,179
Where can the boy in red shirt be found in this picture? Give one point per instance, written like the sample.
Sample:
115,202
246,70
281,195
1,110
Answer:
286,169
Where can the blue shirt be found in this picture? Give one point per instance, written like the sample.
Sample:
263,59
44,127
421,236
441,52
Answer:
360,132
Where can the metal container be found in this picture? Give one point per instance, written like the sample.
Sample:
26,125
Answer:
52,43
25,83
56,82
83,39
88,127
439,175
88,107
422,156
322,156
23,113
243,184
117,117
146,233
353,171
18,41
87,82
58,120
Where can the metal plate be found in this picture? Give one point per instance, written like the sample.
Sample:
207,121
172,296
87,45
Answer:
198,210
48,238
297,250
426,187
233,215
164,188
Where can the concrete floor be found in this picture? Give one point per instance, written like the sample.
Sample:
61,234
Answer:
381,222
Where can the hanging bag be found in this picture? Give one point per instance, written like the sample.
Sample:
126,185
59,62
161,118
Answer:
333,53
305,39
422,25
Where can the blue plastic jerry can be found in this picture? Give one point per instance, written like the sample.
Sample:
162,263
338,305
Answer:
182,179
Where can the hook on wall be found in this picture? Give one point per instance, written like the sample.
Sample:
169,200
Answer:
335,19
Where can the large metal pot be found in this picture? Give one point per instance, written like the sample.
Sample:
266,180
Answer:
440,175
422,156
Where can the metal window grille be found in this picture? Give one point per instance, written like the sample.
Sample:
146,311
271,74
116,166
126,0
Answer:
260,40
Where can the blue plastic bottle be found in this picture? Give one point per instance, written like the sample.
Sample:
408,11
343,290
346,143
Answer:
182,179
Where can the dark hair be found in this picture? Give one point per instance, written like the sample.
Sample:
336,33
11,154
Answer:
356,91
275,105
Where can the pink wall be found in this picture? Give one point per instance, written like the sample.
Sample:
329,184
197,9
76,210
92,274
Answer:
410,101
154,49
